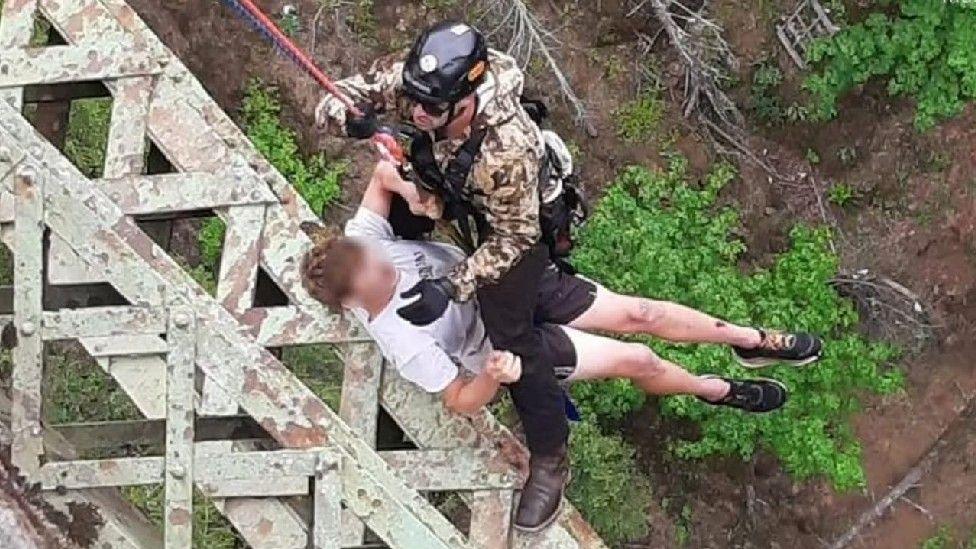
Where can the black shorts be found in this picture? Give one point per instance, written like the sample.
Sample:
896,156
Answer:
562,299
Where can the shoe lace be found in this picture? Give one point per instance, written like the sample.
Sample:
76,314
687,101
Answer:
778,341
745,393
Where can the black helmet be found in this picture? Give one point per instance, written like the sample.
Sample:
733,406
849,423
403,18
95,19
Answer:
446,64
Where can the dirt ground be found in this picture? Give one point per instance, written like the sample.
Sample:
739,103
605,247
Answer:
913,220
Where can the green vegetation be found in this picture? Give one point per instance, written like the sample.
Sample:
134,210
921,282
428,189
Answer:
289,21
640,118
87,137
361,17
677,244
607,486
812,157
763,94
841,194
210,529
847,155
436,5
941,540
319,367
765,100
682,529
78,390
315,178
924,51
944,539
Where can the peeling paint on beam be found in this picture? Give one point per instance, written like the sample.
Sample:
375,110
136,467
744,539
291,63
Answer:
154,194
59,64
103,322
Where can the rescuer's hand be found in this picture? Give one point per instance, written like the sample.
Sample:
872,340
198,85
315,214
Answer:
434,296
364,126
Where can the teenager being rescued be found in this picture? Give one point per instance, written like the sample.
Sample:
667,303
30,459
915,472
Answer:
506,314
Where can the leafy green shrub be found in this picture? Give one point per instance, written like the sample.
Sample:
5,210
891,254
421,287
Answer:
925,51
941,540
637,120
654,235
764,98
841,194
607,487
315,178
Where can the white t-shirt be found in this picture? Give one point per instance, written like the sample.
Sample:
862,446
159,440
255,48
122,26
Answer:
426,355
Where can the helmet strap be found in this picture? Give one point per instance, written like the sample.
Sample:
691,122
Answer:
454,111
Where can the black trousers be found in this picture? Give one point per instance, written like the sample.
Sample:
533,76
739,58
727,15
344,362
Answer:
508,309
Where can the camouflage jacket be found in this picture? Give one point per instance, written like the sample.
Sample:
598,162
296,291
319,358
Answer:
504,180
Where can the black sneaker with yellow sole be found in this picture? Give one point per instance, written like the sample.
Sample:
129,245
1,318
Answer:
796,349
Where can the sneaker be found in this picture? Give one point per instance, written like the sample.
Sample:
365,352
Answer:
796,349
752,395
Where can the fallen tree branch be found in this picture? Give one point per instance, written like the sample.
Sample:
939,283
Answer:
527,37
892,310
708,62
912,479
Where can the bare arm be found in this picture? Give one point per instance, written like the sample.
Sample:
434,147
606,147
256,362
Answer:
386,182
468,396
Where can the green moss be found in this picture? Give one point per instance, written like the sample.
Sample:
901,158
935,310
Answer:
87,136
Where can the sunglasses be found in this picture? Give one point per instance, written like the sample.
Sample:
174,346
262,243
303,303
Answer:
435,109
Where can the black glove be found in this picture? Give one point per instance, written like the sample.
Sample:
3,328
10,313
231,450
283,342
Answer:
435,294
362,127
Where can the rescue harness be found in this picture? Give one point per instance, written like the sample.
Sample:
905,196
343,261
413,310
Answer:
562,208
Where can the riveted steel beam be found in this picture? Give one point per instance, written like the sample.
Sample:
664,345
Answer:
180,373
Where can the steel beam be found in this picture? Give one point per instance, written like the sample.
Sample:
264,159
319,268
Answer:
28,355
180,373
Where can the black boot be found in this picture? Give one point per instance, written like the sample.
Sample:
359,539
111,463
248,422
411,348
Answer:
542,495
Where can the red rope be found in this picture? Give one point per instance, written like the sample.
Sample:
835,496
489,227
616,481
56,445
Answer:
300,57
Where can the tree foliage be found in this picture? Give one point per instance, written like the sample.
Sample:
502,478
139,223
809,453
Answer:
924,51
655,235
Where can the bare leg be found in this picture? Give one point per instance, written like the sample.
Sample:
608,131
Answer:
617,313
600,357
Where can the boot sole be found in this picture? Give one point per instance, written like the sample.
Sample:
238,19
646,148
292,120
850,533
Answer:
555,516
758,363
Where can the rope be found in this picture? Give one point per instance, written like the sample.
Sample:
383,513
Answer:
254,17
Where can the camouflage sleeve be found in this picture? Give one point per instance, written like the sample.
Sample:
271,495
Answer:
509,181
379,86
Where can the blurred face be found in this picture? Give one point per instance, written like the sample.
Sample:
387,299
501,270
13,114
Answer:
375,279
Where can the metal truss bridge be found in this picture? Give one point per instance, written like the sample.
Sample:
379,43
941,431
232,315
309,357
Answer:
226,418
